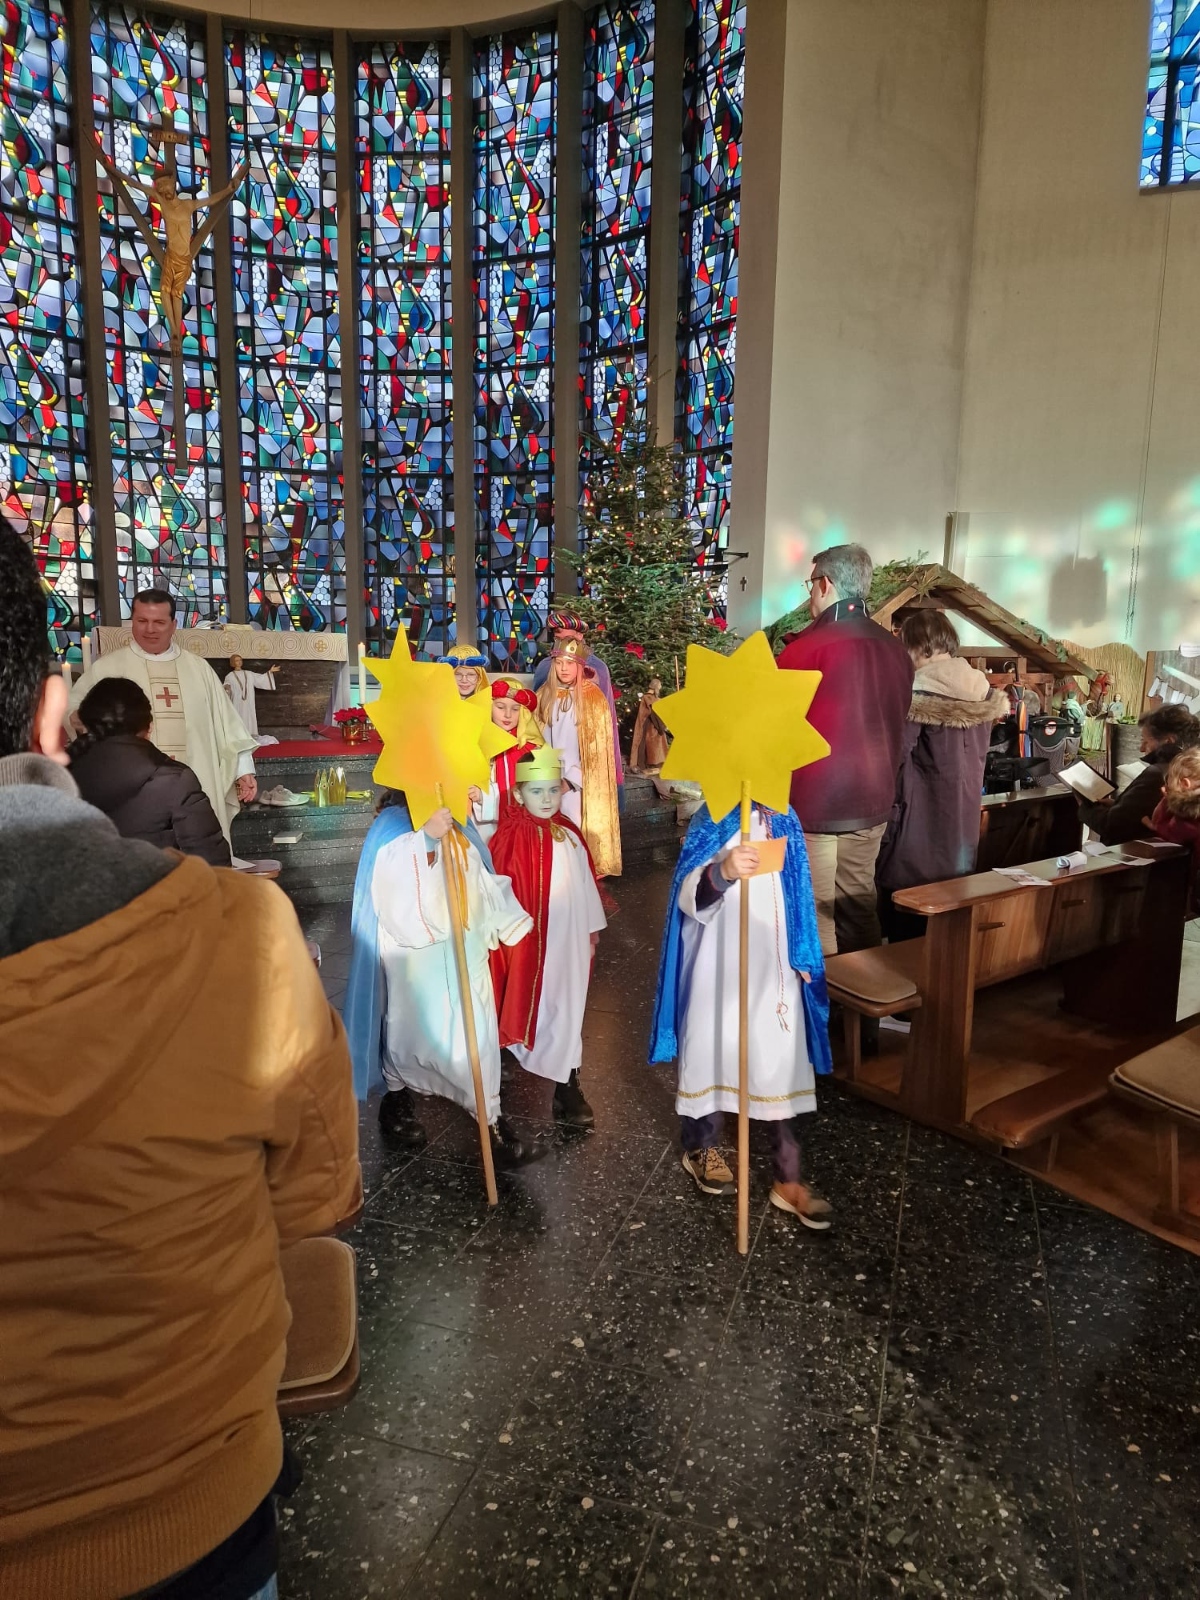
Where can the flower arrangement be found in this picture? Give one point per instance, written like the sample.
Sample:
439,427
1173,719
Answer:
353,723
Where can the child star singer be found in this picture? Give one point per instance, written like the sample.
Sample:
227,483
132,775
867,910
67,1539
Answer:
542,982
696,1007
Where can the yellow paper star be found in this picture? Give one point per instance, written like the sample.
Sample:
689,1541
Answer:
741,719
432,739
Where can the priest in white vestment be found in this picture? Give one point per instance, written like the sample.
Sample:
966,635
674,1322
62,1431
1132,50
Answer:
194,720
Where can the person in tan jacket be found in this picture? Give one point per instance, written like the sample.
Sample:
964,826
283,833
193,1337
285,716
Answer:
175,1104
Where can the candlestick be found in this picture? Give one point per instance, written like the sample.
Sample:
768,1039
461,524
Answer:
66,674
86,648
362,675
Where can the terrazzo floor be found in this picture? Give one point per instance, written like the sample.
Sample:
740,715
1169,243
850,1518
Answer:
972,1386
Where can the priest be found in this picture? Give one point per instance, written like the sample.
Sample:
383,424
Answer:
194,720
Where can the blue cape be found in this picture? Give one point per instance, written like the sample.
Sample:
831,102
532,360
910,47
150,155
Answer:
705,839
363,1006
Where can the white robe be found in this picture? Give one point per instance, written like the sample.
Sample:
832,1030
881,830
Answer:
562,732
486,813
425,1040
781,1075
240,687
219,750
574,913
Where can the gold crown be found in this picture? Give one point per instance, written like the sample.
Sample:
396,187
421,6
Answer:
574,649
543,766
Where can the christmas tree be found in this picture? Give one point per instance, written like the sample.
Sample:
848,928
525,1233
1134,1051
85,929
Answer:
643,597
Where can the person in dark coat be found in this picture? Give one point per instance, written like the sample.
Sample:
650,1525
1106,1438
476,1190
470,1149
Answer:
860,705
933,832
1122,817
146,794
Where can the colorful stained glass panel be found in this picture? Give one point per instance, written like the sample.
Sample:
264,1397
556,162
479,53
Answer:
714,89
618,122
43,442
403,144
513,280
1171,136
287,329
150,73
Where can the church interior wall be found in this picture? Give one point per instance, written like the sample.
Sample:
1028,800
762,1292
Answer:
880,118
978,312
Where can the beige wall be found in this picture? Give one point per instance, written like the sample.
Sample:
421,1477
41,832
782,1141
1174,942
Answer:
880,116
976,309
1080,455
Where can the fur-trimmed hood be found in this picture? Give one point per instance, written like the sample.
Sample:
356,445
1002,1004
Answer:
949,693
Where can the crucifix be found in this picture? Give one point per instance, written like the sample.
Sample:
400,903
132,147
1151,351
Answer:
177,255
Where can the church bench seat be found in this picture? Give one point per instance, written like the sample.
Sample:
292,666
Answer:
1165,1081
882,982
322,1368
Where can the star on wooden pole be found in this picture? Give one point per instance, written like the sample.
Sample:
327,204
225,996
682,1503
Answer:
436,746
740,730
741,720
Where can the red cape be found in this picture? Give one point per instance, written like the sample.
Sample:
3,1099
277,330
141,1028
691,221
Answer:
504,770
523,849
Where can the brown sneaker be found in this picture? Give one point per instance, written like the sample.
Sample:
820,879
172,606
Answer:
794,1198
708,1168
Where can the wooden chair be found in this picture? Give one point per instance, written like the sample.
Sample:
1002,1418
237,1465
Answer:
873,983
1166,1082
322,1369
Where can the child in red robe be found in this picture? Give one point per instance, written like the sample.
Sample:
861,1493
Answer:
513,709
542,982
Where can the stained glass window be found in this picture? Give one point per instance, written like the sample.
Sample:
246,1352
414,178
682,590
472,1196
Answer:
149,72
403,134
513,281
286,327
43,442
1171,139
618,104
714,84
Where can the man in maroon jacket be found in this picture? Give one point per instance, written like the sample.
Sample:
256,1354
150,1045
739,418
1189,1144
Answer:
861,706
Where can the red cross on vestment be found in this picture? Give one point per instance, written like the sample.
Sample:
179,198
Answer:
168,699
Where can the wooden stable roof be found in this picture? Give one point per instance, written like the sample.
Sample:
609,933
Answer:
938,586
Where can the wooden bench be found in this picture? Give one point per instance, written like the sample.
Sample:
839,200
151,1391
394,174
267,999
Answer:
873,983
1039,1113
322,1368
1166,1082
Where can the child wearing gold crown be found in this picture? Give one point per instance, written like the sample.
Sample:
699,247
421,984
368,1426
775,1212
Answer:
576,720
542,982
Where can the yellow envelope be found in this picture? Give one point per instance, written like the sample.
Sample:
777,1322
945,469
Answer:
771,856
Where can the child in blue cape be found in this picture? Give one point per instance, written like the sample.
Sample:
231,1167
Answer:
403,1010
696,1006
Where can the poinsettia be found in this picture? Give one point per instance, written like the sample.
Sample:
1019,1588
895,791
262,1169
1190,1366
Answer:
638,650
351,714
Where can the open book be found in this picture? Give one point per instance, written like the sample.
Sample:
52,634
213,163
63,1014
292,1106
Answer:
1086,781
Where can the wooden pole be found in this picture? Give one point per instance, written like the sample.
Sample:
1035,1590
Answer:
743,1174
178,406
468,1010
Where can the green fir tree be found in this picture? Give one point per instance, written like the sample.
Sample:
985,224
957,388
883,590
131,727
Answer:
642,596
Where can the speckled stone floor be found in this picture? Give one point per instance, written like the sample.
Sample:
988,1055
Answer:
972,1386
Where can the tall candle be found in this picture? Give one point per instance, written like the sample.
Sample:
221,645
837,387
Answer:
362,675
66,675
86,647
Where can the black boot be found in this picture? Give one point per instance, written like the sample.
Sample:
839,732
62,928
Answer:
570,1104
398,1120
509,1150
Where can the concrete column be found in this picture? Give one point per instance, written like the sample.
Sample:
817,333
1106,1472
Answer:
227,372
348,330
762,140
461,549
100,468
568,182
670,26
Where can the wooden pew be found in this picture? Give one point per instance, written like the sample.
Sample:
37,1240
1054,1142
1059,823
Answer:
1113,928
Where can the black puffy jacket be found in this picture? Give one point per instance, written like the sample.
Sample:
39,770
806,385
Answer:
149,796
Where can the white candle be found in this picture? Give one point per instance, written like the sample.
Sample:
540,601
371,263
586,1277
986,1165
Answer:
362,675
66,675
86,647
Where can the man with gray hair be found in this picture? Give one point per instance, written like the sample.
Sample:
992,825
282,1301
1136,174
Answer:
861,707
